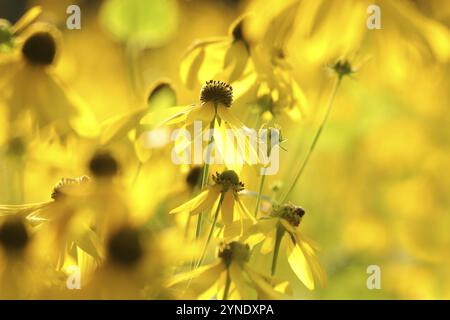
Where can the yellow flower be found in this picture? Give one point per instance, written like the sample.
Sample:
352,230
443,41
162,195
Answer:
223,196
30,88
280,230
130,270
58,219
161,97
20,261
213,112
272,87
228,278
234,53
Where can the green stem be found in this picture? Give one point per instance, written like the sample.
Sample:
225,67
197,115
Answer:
211,230
278,236
227,286
316,138
205,178
261,187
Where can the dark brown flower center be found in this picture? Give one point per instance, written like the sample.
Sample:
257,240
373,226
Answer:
217,92
14,236
103,164
234,251
40,49
125,248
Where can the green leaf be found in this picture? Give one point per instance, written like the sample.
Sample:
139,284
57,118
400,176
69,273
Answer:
142,22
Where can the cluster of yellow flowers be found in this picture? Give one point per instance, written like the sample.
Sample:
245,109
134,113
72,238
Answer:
87,221
127,221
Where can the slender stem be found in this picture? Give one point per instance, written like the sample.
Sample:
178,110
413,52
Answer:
316,138
261,187
136,175
205,177
211,230
227,286
186,228
276,249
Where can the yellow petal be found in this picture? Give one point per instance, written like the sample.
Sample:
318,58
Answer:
27,19
269,243
238,277
228,208
200,279
298,262
243,135
193,203
236,59
117,127
263,287
167,116
190,66
23,210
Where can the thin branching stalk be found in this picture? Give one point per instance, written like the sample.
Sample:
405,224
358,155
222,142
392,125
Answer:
226,290
260,190
211,230
205,176
315,139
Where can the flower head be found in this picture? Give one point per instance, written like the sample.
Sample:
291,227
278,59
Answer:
40,48
14,236
103,165
234,251
217,92
281,230
222,196
125,248
228,278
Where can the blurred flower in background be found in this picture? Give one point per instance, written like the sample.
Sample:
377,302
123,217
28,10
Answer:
88,103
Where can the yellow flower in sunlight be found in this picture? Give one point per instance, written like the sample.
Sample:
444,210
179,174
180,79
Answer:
133,268
228,278
33,93
58,218
18,254
271,86
216,99
223,196
233,52
161,96
280,230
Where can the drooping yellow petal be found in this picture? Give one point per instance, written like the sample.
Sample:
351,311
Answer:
262,286
200,279
269,243
227,208
193,203
242,283
88,241
298,261
167,116
243,211
246,138
27,19
23,210
204,113
117,127
203,202
236,60
236,229
190,66
259,231
310,254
